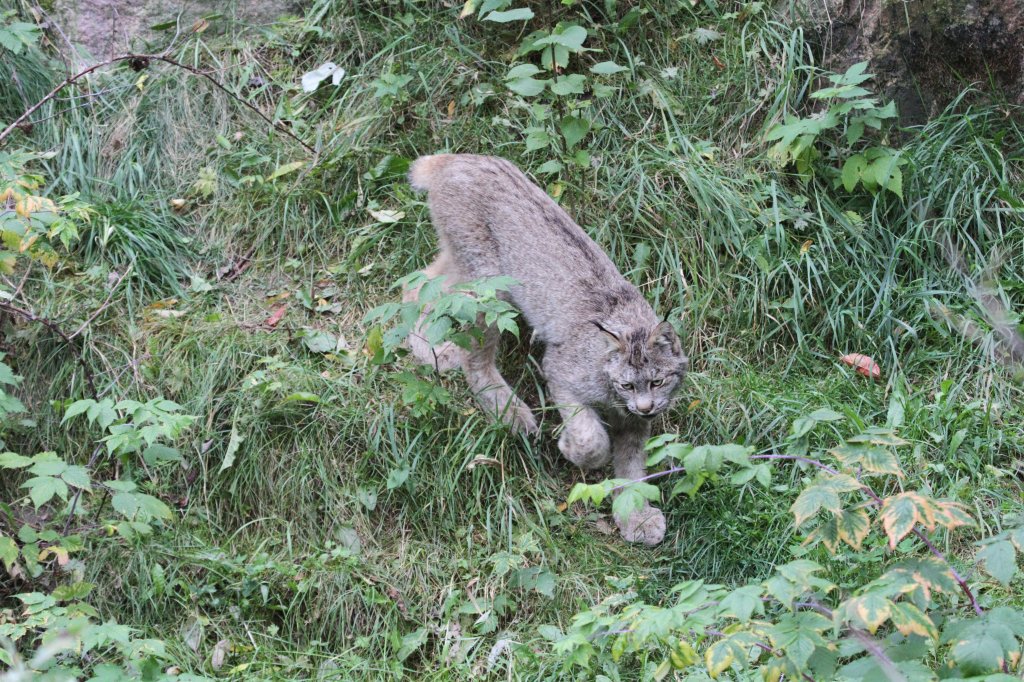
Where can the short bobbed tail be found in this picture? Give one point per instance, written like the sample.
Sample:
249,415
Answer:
424,170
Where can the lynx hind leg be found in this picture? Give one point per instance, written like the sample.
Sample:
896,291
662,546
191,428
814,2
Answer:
445,356
492,392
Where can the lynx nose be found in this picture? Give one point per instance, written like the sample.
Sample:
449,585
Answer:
644,406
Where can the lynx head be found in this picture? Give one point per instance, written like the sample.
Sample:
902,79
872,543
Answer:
645,366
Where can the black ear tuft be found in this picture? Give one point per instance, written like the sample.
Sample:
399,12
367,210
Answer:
613,340
664,337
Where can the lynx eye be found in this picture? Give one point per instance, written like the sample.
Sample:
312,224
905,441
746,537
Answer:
627,387
657,382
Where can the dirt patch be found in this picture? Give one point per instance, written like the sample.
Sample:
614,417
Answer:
924,53
106,28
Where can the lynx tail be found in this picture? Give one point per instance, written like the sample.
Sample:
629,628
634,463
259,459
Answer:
424,169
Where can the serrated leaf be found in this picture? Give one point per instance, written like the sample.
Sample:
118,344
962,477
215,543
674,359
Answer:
910,620
718,658
42,489
77,476
872,610
999,560
571,84
852,170
12,460
853,525
47,464
816,496
900,514
742,602
76,408
517,14
8,552
573,129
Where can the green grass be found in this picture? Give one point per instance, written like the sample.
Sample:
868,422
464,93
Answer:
280,551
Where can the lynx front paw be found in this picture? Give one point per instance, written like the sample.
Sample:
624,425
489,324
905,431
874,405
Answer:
587,447
646,526
521,419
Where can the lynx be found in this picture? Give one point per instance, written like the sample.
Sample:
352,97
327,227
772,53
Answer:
609,364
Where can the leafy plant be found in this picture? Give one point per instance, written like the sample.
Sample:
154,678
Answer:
456,315
848,109
800,622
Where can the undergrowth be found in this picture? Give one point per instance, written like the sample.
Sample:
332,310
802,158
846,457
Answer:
335,516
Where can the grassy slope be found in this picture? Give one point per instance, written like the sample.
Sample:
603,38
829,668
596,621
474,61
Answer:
263,554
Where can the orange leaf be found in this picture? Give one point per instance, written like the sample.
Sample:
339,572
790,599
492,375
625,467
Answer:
276,316
863,364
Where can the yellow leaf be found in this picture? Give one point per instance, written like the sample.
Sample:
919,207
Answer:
872,609
718,658
853,526
806,246
468,9
9,196
693,406
451,109
909,620
32,204
141,80
683,655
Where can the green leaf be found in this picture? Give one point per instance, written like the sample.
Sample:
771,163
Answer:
77,476
570,37
157,453
285,169
18,34
573,130
607,68
852,526
813,498
76,408
412,641
8,552
852,170
527,87
571,84
11,460
522,71
234,441
47,464
42,489
999,560
741,603
518,14
397,477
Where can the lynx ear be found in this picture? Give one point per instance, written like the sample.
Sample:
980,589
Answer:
663,337
611,338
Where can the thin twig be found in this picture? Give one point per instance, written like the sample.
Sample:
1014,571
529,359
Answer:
55,328
142,59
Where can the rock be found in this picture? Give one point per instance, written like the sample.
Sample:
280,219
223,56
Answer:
924,52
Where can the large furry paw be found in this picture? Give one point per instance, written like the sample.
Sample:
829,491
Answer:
521,419
645,526
587,445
